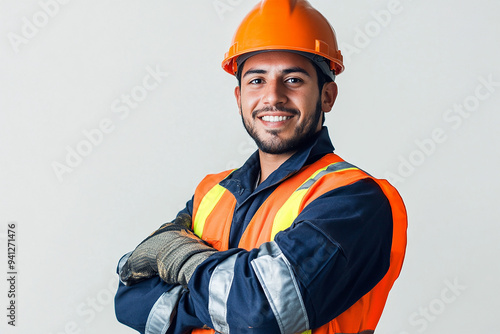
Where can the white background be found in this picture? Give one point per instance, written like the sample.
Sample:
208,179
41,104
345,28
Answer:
404,72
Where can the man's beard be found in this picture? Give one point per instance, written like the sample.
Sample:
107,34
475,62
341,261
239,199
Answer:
303,132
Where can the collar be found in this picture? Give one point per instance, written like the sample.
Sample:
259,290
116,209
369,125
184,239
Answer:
241,182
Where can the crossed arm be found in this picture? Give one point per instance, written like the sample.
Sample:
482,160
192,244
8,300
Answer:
337,249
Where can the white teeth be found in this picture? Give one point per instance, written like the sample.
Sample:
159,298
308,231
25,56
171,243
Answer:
275,118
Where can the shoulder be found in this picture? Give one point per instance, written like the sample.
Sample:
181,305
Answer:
360,198
336,173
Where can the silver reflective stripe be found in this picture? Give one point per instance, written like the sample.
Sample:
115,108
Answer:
282,291
218,292
330,169
160,316
122,262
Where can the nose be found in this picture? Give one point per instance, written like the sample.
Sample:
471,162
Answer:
274,93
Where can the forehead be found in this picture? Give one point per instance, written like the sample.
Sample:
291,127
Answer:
278,61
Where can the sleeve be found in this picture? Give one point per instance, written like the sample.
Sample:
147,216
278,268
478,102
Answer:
337,250
153,306
147,306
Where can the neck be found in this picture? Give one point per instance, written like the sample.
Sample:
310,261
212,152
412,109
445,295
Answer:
270,162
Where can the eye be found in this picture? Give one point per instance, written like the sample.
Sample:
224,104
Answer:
293,80
255,81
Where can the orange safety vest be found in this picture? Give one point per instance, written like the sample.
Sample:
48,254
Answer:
214,205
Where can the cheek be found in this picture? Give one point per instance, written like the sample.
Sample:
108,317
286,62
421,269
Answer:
305,102
244,109
249,102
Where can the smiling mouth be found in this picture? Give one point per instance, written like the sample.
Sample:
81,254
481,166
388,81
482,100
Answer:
268,118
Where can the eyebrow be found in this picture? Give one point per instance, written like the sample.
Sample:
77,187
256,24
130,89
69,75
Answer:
285,71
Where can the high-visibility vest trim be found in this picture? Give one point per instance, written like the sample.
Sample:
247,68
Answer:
213,212
204,205
290,210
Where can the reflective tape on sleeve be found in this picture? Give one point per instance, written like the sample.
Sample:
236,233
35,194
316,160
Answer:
160,316
218,293
280,286
122,261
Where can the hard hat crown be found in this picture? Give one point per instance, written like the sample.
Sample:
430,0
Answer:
284,25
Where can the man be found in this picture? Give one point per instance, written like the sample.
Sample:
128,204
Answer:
296,240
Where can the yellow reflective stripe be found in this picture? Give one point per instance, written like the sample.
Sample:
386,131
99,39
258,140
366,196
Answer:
207,204
290,210
307,332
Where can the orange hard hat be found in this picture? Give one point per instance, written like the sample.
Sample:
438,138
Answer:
292,25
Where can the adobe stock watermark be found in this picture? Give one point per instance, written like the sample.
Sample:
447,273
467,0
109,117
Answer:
363,37
425,315
122,107
12,273
245,148
30,27
224,6
88,309
454,117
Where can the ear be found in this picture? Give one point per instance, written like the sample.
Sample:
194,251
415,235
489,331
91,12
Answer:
328,96
237,95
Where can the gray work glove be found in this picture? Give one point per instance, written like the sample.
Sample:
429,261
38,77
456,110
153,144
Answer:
173,252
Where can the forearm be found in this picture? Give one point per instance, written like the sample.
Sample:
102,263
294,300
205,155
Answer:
134,304
150,304
227,296
330,257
